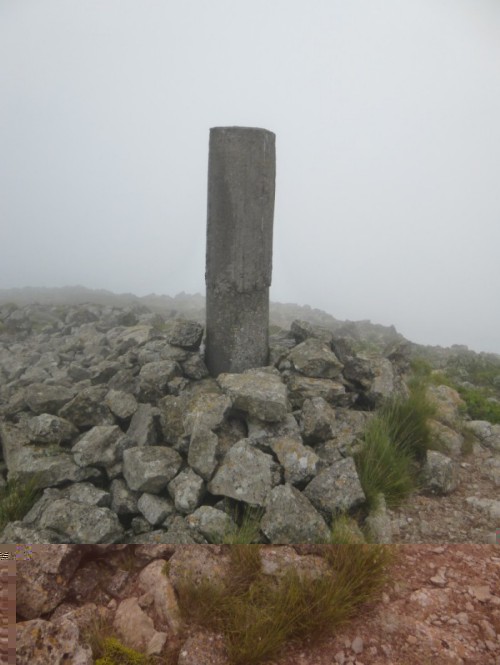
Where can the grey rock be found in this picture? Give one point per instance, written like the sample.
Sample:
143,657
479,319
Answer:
136,628
378,523
123,405
301,388
205,410
202,454
488,434
17,532
313,358
81,523
441,474
154,378
150,468
172,409
123,500
87,408
490,507
336,489
194,367
145,425
260,394
303,330
186,334
300,462
317,420
47,428
291,518
245,475
211,523
88,494
43,398
449,440
187,490
155,509
101,446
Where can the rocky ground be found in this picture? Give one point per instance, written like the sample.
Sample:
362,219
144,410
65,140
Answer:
112,412
441,605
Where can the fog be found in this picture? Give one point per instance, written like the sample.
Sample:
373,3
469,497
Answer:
386,117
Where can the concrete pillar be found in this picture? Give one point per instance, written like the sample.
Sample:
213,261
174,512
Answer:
241,181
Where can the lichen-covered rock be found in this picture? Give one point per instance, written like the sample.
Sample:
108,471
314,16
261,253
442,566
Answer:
441,473
488,434
291,518
336,489
87,408
101,446
154,378
260,394
150,468
202,454
145,426
447,402
82,523
39,642
213,524
301,388
47,428
299,462
44,398
187,490
186,334
245,475
155,508
123,405
137,629
317,420
313,358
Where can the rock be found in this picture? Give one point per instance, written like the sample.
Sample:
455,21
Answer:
87,409
39,642
245,475
155,509
300,462
260,394
150,468
211,523
101,446
136,628
123,500
81,523
378,523
291,518
153,580
187,490
145,426
441,474
301,388
317,420
43,398
448,439
314,359
42,580
303,330
448,404
202,454
50,429
154,378
490,507
336,489
186,334
203,649
488,434
123,405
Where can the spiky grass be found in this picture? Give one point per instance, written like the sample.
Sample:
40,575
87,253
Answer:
263,613
395,443
247,530
16,499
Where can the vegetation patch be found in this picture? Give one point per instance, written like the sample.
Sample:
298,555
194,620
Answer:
257,615
395,442
16,499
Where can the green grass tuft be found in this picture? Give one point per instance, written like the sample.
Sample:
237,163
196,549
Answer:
263,613
16,499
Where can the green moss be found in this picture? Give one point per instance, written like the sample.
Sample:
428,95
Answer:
115,653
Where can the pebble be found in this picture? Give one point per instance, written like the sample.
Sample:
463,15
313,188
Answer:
357,644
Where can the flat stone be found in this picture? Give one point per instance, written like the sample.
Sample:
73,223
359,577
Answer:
260,394
150,468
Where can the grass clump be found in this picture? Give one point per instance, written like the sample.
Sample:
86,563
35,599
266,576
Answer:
395,442
247,518
258,614
107,649
16,499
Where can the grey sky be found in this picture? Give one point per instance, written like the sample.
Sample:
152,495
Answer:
386,114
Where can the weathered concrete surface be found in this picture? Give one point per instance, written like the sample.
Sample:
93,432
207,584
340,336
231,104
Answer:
241,184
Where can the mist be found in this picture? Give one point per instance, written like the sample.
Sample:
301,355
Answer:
387,144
